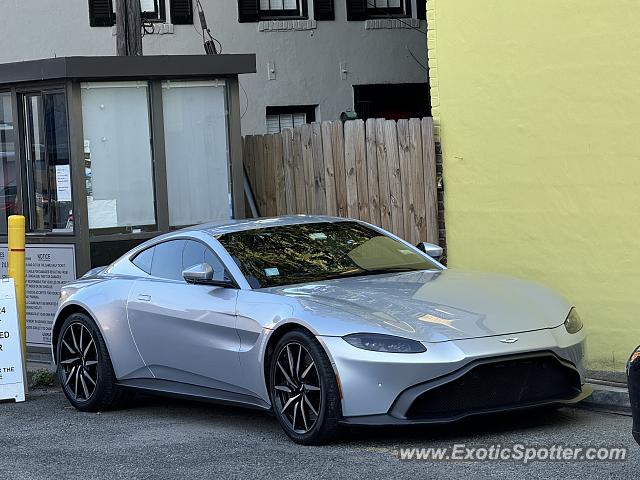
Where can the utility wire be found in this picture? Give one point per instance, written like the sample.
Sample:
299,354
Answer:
416,59
246,100
212,45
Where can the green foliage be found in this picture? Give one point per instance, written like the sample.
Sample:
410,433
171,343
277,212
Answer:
42,378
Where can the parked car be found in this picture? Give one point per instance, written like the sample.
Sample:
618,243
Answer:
633,382
324,321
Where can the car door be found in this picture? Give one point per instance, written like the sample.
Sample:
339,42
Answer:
185,333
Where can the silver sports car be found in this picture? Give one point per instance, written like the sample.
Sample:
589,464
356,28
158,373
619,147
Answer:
323,321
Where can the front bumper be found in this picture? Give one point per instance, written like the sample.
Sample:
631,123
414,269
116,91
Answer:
429,403
380,388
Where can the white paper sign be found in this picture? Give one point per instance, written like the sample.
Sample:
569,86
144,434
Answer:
11,374
102,213
63,183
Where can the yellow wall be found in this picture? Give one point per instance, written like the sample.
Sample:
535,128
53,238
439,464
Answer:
538,106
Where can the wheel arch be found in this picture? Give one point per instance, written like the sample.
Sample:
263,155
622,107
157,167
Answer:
279,332
65,313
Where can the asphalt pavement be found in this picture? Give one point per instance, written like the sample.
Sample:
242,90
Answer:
167,439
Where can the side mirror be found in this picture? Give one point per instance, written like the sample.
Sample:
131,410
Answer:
434,251
202,274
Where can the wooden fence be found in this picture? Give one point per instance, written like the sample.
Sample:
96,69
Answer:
381,171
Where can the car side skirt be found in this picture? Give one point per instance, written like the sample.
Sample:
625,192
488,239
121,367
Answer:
194,392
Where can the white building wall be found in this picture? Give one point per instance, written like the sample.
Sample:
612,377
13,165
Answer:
307,63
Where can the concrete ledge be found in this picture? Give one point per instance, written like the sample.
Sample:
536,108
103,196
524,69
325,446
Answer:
156,29
608,396
286,25
391,23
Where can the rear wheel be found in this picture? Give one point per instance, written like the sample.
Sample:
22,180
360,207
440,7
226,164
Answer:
304,389
84,367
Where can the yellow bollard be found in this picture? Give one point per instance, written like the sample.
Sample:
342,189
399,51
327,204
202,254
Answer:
17,271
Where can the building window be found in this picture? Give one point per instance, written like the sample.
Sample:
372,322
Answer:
256,10
153,10
392,101
118,158
102,12
386,7
281,118
365,9
280,8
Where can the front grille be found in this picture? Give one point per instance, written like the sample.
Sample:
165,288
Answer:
499,384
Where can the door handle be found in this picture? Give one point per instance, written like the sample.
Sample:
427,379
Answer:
144,298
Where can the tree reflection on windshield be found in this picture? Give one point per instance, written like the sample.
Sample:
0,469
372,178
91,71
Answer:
290,254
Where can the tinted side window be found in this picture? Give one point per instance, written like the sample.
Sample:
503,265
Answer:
193,254
167,260
143,259
196,252
219,272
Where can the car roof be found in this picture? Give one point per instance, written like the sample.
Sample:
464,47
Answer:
238,225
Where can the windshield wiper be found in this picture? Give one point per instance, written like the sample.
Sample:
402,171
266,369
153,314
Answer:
361,272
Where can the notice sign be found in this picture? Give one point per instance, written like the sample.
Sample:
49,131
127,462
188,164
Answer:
48,268
11,376
63,183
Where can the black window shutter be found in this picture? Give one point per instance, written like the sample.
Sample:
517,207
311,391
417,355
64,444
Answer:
356,10
324,10
421,7
181,12
248,11
101,13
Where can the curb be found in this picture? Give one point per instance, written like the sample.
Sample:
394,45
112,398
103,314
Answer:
608,396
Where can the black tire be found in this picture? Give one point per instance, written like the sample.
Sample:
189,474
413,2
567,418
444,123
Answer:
105,394
317,429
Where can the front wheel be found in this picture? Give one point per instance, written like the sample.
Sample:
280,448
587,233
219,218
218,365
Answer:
84,367
304,389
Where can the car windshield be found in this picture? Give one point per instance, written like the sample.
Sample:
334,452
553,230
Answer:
311,252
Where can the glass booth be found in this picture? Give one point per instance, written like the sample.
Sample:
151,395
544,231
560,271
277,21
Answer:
103,153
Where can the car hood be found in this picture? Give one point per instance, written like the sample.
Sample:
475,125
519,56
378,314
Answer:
429,306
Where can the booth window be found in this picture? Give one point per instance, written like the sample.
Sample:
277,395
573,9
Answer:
8,172
118,157
197,151
48,167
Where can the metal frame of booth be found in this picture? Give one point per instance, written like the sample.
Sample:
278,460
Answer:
66,75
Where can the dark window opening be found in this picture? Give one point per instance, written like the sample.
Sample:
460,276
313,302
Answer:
392,101
256,10
364,9
281,8
102,12
281,118
388,8
153,10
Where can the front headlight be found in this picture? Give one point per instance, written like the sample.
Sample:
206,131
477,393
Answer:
384,343
573,323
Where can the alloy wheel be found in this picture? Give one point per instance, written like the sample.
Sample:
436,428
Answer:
79,362
296,388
